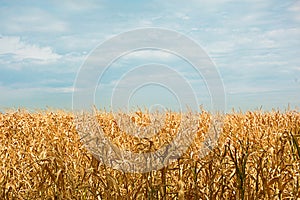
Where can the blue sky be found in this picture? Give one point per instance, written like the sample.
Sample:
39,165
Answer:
255,45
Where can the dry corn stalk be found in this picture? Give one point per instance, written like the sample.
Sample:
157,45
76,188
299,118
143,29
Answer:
256,157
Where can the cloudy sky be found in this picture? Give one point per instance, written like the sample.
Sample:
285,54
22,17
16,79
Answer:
254,44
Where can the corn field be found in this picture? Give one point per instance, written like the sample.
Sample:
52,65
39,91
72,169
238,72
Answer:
257,156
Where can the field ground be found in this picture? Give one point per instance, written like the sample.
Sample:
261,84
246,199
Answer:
257,157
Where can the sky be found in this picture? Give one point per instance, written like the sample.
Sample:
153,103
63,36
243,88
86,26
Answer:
254,45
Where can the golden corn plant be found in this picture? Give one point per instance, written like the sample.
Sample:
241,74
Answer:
257,156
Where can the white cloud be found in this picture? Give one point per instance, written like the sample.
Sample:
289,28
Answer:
255,40
182,16
295,9
30,19
34,97
78,5
150,55
20,50
20,92
287,34
145,23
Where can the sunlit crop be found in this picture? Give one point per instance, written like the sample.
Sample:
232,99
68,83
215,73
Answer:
257,156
